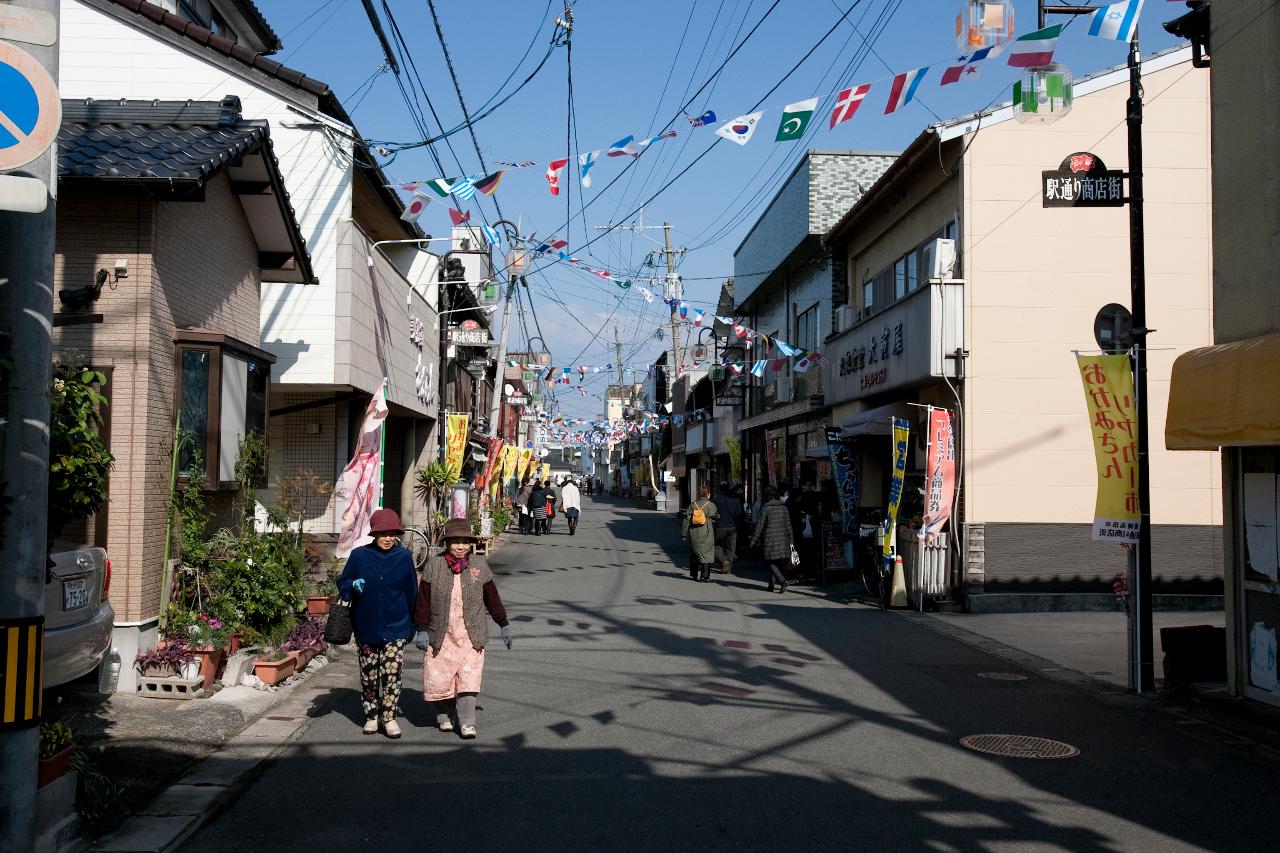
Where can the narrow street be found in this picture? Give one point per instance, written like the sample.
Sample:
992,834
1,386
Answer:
639,710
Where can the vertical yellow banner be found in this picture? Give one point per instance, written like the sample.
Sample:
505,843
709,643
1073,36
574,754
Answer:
510,456
546,471
455,437
1108,395
901,435
526,458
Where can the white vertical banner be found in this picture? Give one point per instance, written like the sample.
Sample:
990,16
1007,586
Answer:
360,479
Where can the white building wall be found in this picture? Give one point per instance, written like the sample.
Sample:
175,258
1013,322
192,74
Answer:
102,57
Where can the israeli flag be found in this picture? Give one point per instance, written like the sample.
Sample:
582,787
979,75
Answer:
1117,21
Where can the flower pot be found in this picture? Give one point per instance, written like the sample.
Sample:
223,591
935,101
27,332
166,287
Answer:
235,643
158,670
52,767
317,605
304,657
275,671
211,662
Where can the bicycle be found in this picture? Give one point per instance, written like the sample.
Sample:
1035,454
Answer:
418,544
870,562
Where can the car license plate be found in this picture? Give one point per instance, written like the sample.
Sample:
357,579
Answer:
75,594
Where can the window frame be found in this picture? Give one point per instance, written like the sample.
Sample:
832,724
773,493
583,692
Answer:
218,346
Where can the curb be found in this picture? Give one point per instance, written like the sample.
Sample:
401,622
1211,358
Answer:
216,780
1190,719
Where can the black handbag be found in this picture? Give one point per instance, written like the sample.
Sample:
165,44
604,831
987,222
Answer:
337,628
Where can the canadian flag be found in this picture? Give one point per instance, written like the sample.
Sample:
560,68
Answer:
554,168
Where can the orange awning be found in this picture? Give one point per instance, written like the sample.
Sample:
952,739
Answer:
1225,395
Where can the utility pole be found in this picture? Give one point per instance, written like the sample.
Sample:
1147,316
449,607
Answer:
27,222
1141,636
672,290
617,348
515,268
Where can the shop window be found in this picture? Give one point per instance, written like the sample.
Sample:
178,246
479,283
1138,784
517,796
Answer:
900,278
913,271
1259,528
806,335
222,396
868,296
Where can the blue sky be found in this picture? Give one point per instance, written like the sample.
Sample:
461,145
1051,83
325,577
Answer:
634,65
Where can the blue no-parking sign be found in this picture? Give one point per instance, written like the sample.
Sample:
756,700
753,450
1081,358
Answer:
30,111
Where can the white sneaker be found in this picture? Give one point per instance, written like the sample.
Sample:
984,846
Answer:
370,727
468,732
445,725
392,729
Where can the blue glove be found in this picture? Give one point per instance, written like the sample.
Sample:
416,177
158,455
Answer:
506,635
358,585
421,641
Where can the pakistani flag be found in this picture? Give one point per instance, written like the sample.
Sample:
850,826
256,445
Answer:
795,120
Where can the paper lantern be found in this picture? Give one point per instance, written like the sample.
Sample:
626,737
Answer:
1043,94
980,25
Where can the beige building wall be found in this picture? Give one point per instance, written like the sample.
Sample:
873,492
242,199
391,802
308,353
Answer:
190,264
1036,278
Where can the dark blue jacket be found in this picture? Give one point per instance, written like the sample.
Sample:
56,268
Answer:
384,611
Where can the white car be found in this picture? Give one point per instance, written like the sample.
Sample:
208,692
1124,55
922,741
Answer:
77,615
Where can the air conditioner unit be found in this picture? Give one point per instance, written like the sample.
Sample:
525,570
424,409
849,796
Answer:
939,259
783,393
844,318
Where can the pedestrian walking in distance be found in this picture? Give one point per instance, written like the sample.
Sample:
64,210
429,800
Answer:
571,505
537,508
774,526
380,582
729,509
699,529
456,589
522,501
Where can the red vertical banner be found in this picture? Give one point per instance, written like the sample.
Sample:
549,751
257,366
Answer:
940,465
495,448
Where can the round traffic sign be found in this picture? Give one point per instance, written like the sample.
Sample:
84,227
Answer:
1113,329
30,111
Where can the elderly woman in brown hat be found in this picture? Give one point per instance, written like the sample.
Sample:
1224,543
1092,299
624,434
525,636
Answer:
381,584
456,588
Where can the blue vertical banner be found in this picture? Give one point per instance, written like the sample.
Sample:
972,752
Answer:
901,437
848,477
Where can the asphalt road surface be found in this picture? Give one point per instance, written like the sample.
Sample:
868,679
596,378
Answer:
641,711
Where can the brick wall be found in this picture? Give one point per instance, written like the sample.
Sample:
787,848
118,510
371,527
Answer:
190,264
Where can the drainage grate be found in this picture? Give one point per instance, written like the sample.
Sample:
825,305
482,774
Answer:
1019,746
1002,676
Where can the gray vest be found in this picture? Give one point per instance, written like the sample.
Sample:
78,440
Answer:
473,578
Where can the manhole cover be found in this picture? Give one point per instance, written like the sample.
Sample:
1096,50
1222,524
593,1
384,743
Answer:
1019,746
1002,676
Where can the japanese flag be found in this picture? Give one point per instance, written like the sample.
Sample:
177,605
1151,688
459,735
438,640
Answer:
414,208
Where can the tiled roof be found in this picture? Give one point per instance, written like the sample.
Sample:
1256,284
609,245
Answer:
106,146
159,16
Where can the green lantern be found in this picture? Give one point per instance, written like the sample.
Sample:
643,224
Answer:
1043,94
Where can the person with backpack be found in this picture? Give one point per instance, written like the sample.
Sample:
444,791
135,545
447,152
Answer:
699,529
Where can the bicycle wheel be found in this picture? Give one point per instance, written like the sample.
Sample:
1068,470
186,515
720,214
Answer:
419,548
872,577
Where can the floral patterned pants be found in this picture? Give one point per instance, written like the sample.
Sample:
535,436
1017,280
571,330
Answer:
380,677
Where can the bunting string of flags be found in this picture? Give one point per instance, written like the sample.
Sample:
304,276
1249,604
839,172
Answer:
1115,22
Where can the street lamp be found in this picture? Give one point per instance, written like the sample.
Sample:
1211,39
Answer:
1142,670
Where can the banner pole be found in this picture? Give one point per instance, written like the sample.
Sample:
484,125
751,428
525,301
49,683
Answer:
382,450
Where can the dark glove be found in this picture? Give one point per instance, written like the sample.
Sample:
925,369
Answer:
358,585
505,630
421,641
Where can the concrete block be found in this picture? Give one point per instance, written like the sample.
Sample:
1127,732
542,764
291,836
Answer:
183,799
237,666
56,818
169,688
145,834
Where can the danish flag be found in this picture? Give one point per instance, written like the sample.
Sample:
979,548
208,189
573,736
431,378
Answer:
847,104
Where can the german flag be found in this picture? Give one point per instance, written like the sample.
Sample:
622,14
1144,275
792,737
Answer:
489,183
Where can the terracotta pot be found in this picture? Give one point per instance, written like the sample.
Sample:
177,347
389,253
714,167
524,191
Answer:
304,657
211,663
52,767
159,670
320,646
235,643
317,605
275,671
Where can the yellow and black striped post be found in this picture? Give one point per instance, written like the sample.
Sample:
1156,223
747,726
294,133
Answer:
21,672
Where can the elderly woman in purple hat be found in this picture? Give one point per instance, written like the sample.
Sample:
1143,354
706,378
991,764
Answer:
456,590
382,586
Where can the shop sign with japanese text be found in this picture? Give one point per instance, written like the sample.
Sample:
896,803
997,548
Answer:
728,399
1082,180
1108,392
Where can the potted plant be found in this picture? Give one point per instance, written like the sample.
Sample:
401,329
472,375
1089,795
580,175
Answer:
275,667
321,596
306,640
208,637
56,743
164,660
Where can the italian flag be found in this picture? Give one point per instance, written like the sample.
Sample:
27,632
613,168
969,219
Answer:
1035,49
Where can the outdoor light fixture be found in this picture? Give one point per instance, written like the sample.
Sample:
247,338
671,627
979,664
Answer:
980,25
1042,95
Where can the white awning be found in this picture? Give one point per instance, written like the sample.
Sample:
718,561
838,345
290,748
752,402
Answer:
877,421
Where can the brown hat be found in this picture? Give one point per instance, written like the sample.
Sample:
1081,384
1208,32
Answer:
385,521
458,528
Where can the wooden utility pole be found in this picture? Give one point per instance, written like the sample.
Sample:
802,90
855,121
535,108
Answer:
672,292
